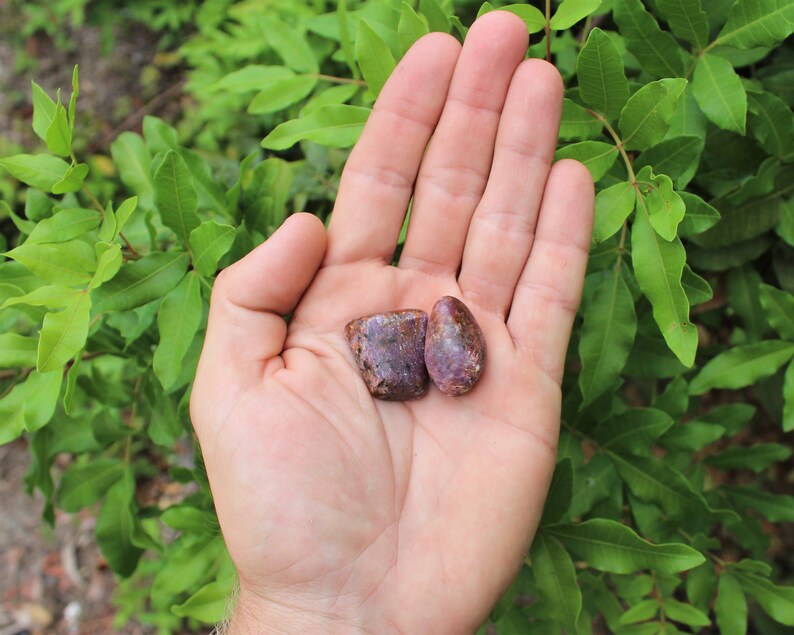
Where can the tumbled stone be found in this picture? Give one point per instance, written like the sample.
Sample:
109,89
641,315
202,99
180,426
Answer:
390,352
454,347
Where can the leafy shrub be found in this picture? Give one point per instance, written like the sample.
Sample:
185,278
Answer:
661,494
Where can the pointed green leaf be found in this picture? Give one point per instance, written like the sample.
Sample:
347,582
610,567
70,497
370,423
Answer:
571,11
109,262
71,383
279,93
436,18
697,289
609,546
678,158
41,171
602,82
43,110
685,613
741,223
69,263
720,94
73,99
334,95
63,334
642,611
374,57
559,497
334,125
633,431
411,27
209,604
687,20
67,224
85,484
597,156
133,162
742,366
699,216
788,399
778,307
777,601
51,296
593,482
730,606
665,207
577,123
72,180
250,78
659,266
141,281
209,242
775,508
757,457
612,208
116,525
17,351
610,324
176,196
692,436
689,120
178,321
758,23
290,45
59,133
555,579
772,123
646,116
657,51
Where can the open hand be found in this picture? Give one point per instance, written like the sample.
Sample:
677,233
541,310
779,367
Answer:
347,514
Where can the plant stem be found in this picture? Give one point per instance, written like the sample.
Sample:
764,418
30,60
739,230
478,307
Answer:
338,80
547,30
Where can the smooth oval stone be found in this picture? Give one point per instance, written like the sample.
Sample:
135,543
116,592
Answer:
390,352
454,347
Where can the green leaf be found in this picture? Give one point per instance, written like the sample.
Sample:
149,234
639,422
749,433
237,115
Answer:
411,27
69,263
41,171
665,207
17,351
437,20
72,181
279,93
178,321
108,264
43,110
67,224
571,11
51,296
209,604
610,324
159,136
334,125
778,307
697,289
71,383
577,123
597,156
334,95
657,51
133,162
209,242
777,601
775,508
678,158
699,216
742,366
689,120
609,546
602,82
612,207
250,78
659,266
772,123
123,214
730,606
653,481
633,431
788,399
687,20
141,281
12,422
73,98
63,334
640,612
345,41
555,579
646,116
291,46
594,482
374,57
743,285
692,435
116,525
59,133
83,485
758,23
559,497
176,196
720,94
756,458
531,16
685,613
741,223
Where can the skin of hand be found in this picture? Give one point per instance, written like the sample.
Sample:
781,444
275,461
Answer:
345,514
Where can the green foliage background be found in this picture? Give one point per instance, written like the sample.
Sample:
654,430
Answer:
661,510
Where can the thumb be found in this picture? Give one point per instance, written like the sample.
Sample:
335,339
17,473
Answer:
246,327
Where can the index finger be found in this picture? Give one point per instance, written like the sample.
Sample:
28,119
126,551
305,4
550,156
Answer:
378,179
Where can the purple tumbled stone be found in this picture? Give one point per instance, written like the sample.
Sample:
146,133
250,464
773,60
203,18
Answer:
390,352
454,347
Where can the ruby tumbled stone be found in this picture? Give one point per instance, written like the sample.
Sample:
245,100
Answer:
390,352
454,347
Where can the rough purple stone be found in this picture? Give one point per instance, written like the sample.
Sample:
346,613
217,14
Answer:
454,347
390,352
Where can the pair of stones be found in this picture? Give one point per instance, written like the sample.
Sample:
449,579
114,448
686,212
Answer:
398,351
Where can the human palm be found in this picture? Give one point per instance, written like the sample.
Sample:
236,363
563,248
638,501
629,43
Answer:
345,513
